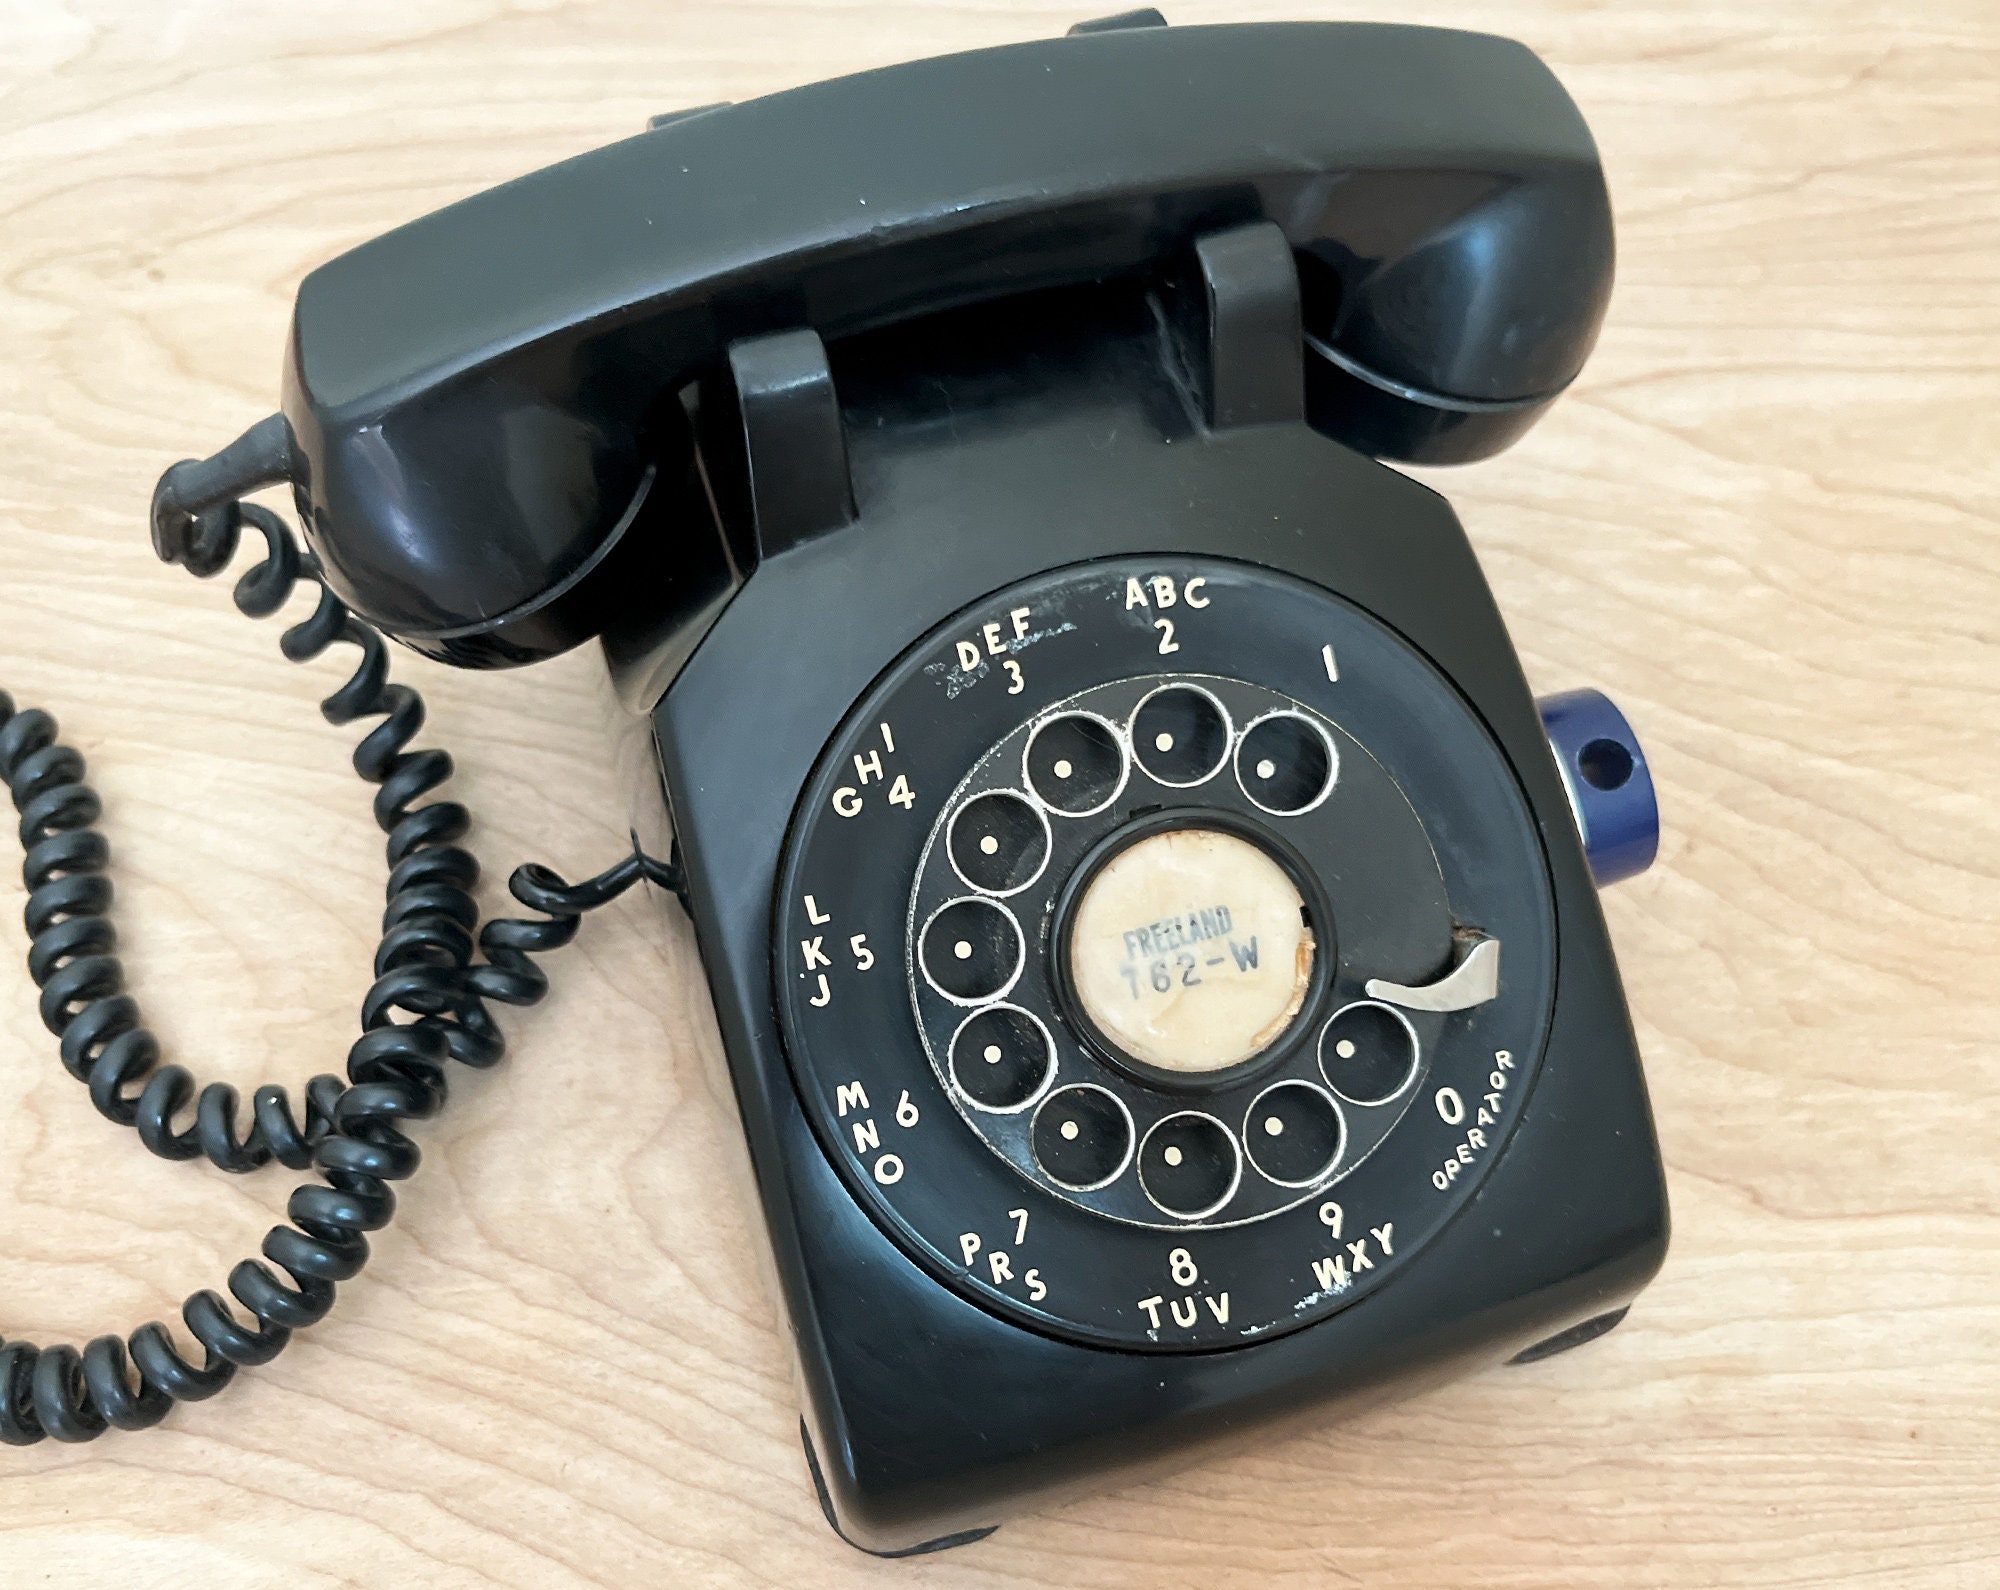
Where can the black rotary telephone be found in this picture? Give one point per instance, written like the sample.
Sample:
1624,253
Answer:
1156,949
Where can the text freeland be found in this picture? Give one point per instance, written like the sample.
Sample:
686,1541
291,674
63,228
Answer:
1176,932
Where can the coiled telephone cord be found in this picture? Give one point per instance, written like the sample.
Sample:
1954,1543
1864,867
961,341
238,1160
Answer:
430,1003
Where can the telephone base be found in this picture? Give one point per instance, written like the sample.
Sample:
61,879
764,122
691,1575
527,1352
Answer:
1005,1292
1576,1336
963,1537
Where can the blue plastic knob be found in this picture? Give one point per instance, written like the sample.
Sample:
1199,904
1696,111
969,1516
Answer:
1610,787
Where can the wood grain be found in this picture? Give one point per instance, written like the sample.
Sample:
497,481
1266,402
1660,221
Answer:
1768,521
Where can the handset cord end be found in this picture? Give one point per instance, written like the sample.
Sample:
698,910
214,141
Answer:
195,520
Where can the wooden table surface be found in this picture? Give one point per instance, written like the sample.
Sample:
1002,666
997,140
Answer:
1765,521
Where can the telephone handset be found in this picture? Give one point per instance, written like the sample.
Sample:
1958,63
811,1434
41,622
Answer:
1143,911
481,402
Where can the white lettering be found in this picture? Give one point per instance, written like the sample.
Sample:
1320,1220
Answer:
1219,1309
1331,1274
1163,590
994,644
1020,617
846,800
1330,1216
888,1170
1036,1290
1001,1268
969,1245
867,767
1134,597
1382,1235
866,1138
906,1111
850,1093
1450,1107
1020,1219
968,656
1152,1304
814,914
824,997
1192,1315
815,956
1358,1252
864,957
1188,590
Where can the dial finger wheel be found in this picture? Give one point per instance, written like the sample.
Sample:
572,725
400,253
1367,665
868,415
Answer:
1285,764
1075,764
1189,1165
1073,954
1293,1133
1002,1058
1368,1052
970,951
1180,735
999,843
1082,1137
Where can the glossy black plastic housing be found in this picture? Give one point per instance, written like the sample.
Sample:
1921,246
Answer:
483,402
984,447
